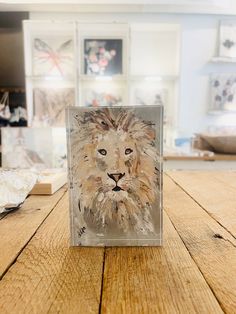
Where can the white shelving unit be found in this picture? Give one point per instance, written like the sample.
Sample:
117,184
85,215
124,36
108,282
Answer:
154,69
112,86
50,58
149,63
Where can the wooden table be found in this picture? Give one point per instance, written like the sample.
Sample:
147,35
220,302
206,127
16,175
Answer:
194,272
206,162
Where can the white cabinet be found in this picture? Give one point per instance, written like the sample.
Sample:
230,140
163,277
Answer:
101,64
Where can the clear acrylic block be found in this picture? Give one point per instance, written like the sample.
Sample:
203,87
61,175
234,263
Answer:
115,175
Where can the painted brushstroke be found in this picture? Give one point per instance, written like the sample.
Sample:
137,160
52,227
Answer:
114,170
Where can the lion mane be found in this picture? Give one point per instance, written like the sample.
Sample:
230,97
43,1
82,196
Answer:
115,171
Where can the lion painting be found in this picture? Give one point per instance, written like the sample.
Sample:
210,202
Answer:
114,166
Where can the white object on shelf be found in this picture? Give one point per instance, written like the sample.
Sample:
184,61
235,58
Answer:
40,148
227,42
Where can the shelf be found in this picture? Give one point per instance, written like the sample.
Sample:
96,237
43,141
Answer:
50,78
220,112
223,60
154,78
93,78
12,89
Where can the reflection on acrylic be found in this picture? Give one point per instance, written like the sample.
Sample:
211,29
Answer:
115,175
53,56
103,56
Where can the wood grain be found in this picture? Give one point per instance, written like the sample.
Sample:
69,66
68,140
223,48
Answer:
194,272
211,246
155,280
17,228
50,277
50,183
206,157
214,191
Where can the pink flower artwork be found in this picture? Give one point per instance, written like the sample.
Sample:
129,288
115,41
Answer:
103,57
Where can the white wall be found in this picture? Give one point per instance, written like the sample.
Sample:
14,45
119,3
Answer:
198,46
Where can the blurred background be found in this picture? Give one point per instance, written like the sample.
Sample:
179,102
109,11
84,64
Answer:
179,54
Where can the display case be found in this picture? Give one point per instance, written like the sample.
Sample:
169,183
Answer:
47,99
50,69
100,64
155,49
154,70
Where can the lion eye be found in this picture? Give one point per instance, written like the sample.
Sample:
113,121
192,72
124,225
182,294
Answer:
128,151
102,152
104,123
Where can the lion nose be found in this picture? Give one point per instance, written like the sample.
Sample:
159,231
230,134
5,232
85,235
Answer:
116,176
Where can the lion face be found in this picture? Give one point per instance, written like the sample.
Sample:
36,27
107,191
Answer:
116,159
115,171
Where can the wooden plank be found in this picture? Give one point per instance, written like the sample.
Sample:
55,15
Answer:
210,245
227,157
155,280
183,157
51,277
206,157
214,191
16,228
50,183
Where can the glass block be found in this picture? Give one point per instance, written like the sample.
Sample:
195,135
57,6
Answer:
39,148
115,175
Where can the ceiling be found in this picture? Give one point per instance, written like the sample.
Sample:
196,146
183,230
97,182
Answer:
173,6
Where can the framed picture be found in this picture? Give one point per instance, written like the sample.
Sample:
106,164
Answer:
223,92
40,148
115,173
103,57
49,105
228,39
53,56
149,96
100,97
